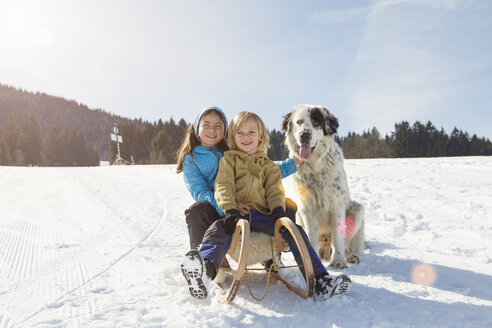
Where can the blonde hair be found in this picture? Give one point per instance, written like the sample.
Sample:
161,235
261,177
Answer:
239,120
190,141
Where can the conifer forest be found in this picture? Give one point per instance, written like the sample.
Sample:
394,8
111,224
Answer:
37,129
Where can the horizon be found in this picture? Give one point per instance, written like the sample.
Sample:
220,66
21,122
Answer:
176,119
372,63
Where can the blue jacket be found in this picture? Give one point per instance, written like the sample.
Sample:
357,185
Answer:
199,173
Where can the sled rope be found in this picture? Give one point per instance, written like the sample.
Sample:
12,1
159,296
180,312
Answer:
273,266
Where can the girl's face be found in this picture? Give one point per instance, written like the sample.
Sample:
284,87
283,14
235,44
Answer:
247,137
210,130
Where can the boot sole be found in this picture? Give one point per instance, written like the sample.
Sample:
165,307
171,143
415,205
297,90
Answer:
343,286
194,277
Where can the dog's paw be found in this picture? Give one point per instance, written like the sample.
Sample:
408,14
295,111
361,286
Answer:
353,259
338,264
325,253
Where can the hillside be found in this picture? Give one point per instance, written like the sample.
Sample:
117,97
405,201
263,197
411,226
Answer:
49,111
101,247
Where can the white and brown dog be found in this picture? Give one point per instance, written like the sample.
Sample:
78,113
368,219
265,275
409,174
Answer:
333,222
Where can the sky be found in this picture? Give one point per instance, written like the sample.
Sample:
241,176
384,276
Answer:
372,63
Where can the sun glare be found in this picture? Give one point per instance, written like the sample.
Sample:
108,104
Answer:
15,19
19,23
45,37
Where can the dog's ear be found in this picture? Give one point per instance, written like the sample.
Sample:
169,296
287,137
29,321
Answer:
286,122
331,122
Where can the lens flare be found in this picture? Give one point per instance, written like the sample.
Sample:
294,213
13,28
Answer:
347,227
423,274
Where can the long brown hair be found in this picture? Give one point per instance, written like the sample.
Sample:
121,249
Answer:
190,141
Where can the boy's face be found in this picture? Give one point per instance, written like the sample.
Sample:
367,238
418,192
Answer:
210,130
247,137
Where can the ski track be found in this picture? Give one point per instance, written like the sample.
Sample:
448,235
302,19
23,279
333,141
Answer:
18,245
101,247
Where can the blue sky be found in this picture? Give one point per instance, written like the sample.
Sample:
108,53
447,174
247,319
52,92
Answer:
372,63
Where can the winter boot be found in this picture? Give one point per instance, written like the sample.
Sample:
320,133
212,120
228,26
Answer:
328,286
198,274
267,264
225,264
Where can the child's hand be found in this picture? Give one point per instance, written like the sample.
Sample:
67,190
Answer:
231,218
277,213
243,208
297,161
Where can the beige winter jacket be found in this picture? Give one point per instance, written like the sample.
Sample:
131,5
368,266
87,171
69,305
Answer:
254,180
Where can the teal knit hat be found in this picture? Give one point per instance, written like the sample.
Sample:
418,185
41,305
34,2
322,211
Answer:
199,116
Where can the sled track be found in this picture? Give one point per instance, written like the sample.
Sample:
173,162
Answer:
82,274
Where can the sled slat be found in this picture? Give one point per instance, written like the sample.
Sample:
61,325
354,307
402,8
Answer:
306,258
242,227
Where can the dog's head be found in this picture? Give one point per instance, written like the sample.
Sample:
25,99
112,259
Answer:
305,126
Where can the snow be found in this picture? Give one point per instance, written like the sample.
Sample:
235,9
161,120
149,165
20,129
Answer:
102,247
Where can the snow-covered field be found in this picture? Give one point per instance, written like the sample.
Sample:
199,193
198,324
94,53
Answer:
101,247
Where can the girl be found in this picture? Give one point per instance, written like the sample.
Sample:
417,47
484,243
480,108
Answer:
246,175
198,158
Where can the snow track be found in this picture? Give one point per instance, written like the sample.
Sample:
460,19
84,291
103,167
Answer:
58,257
101,247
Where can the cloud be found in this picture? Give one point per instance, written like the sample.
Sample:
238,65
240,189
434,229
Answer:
404,69
340,16
435,4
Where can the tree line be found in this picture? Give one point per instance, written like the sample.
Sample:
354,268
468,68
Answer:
157,143
58,113
149,143
27,146
417,140
38,129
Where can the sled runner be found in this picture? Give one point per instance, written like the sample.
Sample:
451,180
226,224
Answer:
242,238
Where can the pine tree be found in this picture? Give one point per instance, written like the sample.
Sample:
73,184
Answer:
146,136
31,142
367,145
275,152
373,143
160,148
417,146
92,155
76,149
480,146
183,126
431,140
401,140
176,134
53,148
12,153
476,146
458,143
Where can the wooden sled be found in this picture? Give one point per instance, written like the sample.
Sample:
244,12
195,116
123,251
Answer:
242,234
